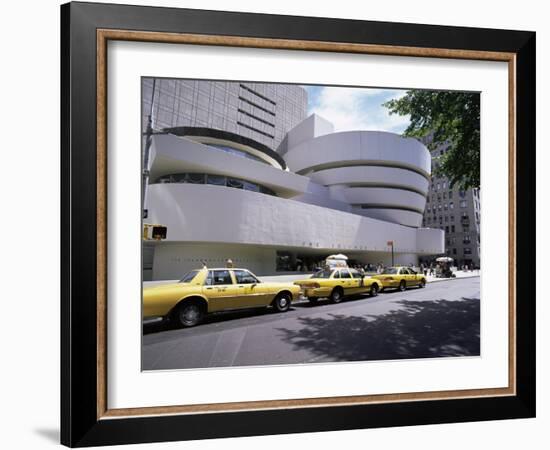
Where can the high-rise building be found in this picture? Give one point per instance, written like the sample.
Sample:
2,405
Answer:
455,211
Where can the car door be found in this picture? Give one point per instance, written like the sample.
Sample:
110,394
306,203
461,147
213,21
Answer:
251,291
220,290
406,275
356,282
347,281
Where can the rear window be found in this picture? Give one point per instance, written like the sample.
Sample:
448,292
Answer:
322,274
390,271
189,276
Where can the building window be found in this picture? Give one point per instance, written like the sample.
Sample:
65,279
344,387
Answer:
467,251
466,239
450,194
446,218
454,251
452,228
463,203
216,180
446,229
462,194
437,184
452,218
445,207
451,205
444,185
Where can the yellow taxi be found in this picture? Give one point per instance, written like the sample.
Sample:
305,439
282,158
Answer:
206,290
400,278
337,283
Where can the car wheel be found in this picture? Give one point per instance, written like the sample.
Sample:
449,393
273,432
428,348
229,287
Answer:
189,314
402,285
282,302
422,283
336,295
313,300
374,290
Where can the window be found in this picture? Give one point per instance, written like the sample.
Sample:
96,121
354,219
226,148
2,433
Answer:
454,251
465,228
446,218
439,206
336,274
467,251
189,277
463,203
451,205
444,195
445,207
323,274
444,185
462,194
452,228
466,239
234,183
245,277
389,271
217,180
450,194
438,186
345,274
195,178
446,229
218,277
452,218
355,274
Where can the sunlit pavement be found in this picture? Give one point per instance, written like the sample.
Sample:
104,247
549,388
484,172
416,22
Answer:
441,320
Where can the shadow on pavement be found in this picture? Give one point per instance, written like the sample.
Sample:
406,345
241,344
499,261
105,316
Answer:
415,329
156,327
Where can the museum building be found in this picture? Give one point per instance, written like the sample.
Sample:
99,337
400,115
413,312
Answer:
278,191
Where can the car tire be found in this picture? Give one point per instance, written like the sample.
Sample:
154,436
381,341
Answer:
282,302
402,285
337,295
373,290
188,314
422,283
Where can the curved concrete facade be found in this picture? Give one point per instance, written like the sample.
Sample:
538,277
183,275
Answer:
349,192
385,174
376,176
193,213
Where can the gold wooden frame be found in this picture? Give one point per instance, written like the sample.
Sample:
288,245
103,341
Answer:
104,35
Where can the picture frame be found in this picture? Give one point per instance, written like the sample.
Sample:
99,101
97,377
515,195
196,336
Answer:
86,418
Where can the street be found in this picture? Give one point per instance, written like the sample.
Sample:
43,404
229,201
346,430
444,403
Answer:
437,321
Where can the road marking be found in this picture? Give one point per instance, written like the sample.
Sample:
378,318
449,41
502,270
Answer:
227,348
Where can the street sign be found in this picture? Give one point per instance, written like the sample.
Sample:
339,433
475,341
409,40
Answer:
390,243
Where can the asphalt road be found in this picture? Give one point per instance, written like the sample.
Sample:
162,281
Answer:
437,321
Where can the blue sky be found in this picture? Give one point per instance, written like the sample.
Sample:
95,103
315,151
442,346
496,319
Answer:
356,108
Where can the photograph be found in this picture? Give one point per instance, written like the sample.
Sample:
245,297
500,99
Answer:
300,224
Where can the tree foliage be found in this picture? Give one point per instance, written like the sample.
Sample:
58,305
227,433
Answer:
450,118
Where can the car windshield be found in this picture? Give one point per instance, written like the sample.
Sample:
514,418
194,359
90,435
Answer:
189,276
322,274
389,271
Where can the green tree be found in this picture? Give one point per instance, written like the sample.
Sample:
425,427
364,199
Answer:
450,118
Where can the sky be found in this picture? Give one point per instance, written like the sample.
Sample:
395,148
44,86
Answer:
356,108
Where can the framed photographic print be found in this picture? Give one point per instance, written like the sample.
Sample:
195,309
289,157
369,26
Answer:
277,224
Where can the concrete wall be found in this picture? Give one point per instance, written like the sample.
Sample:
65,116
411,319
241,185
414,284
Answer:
173,260
384,172
206,213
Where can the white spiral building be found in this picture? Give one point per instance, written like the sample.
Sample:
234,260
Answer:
222,195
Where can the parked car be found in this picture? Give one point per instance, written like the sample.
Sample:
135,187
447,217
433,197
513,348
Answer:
206,290
337,283
400,278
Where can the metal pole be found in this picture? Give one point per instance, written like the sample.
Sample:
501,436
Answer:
392,254
147,150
